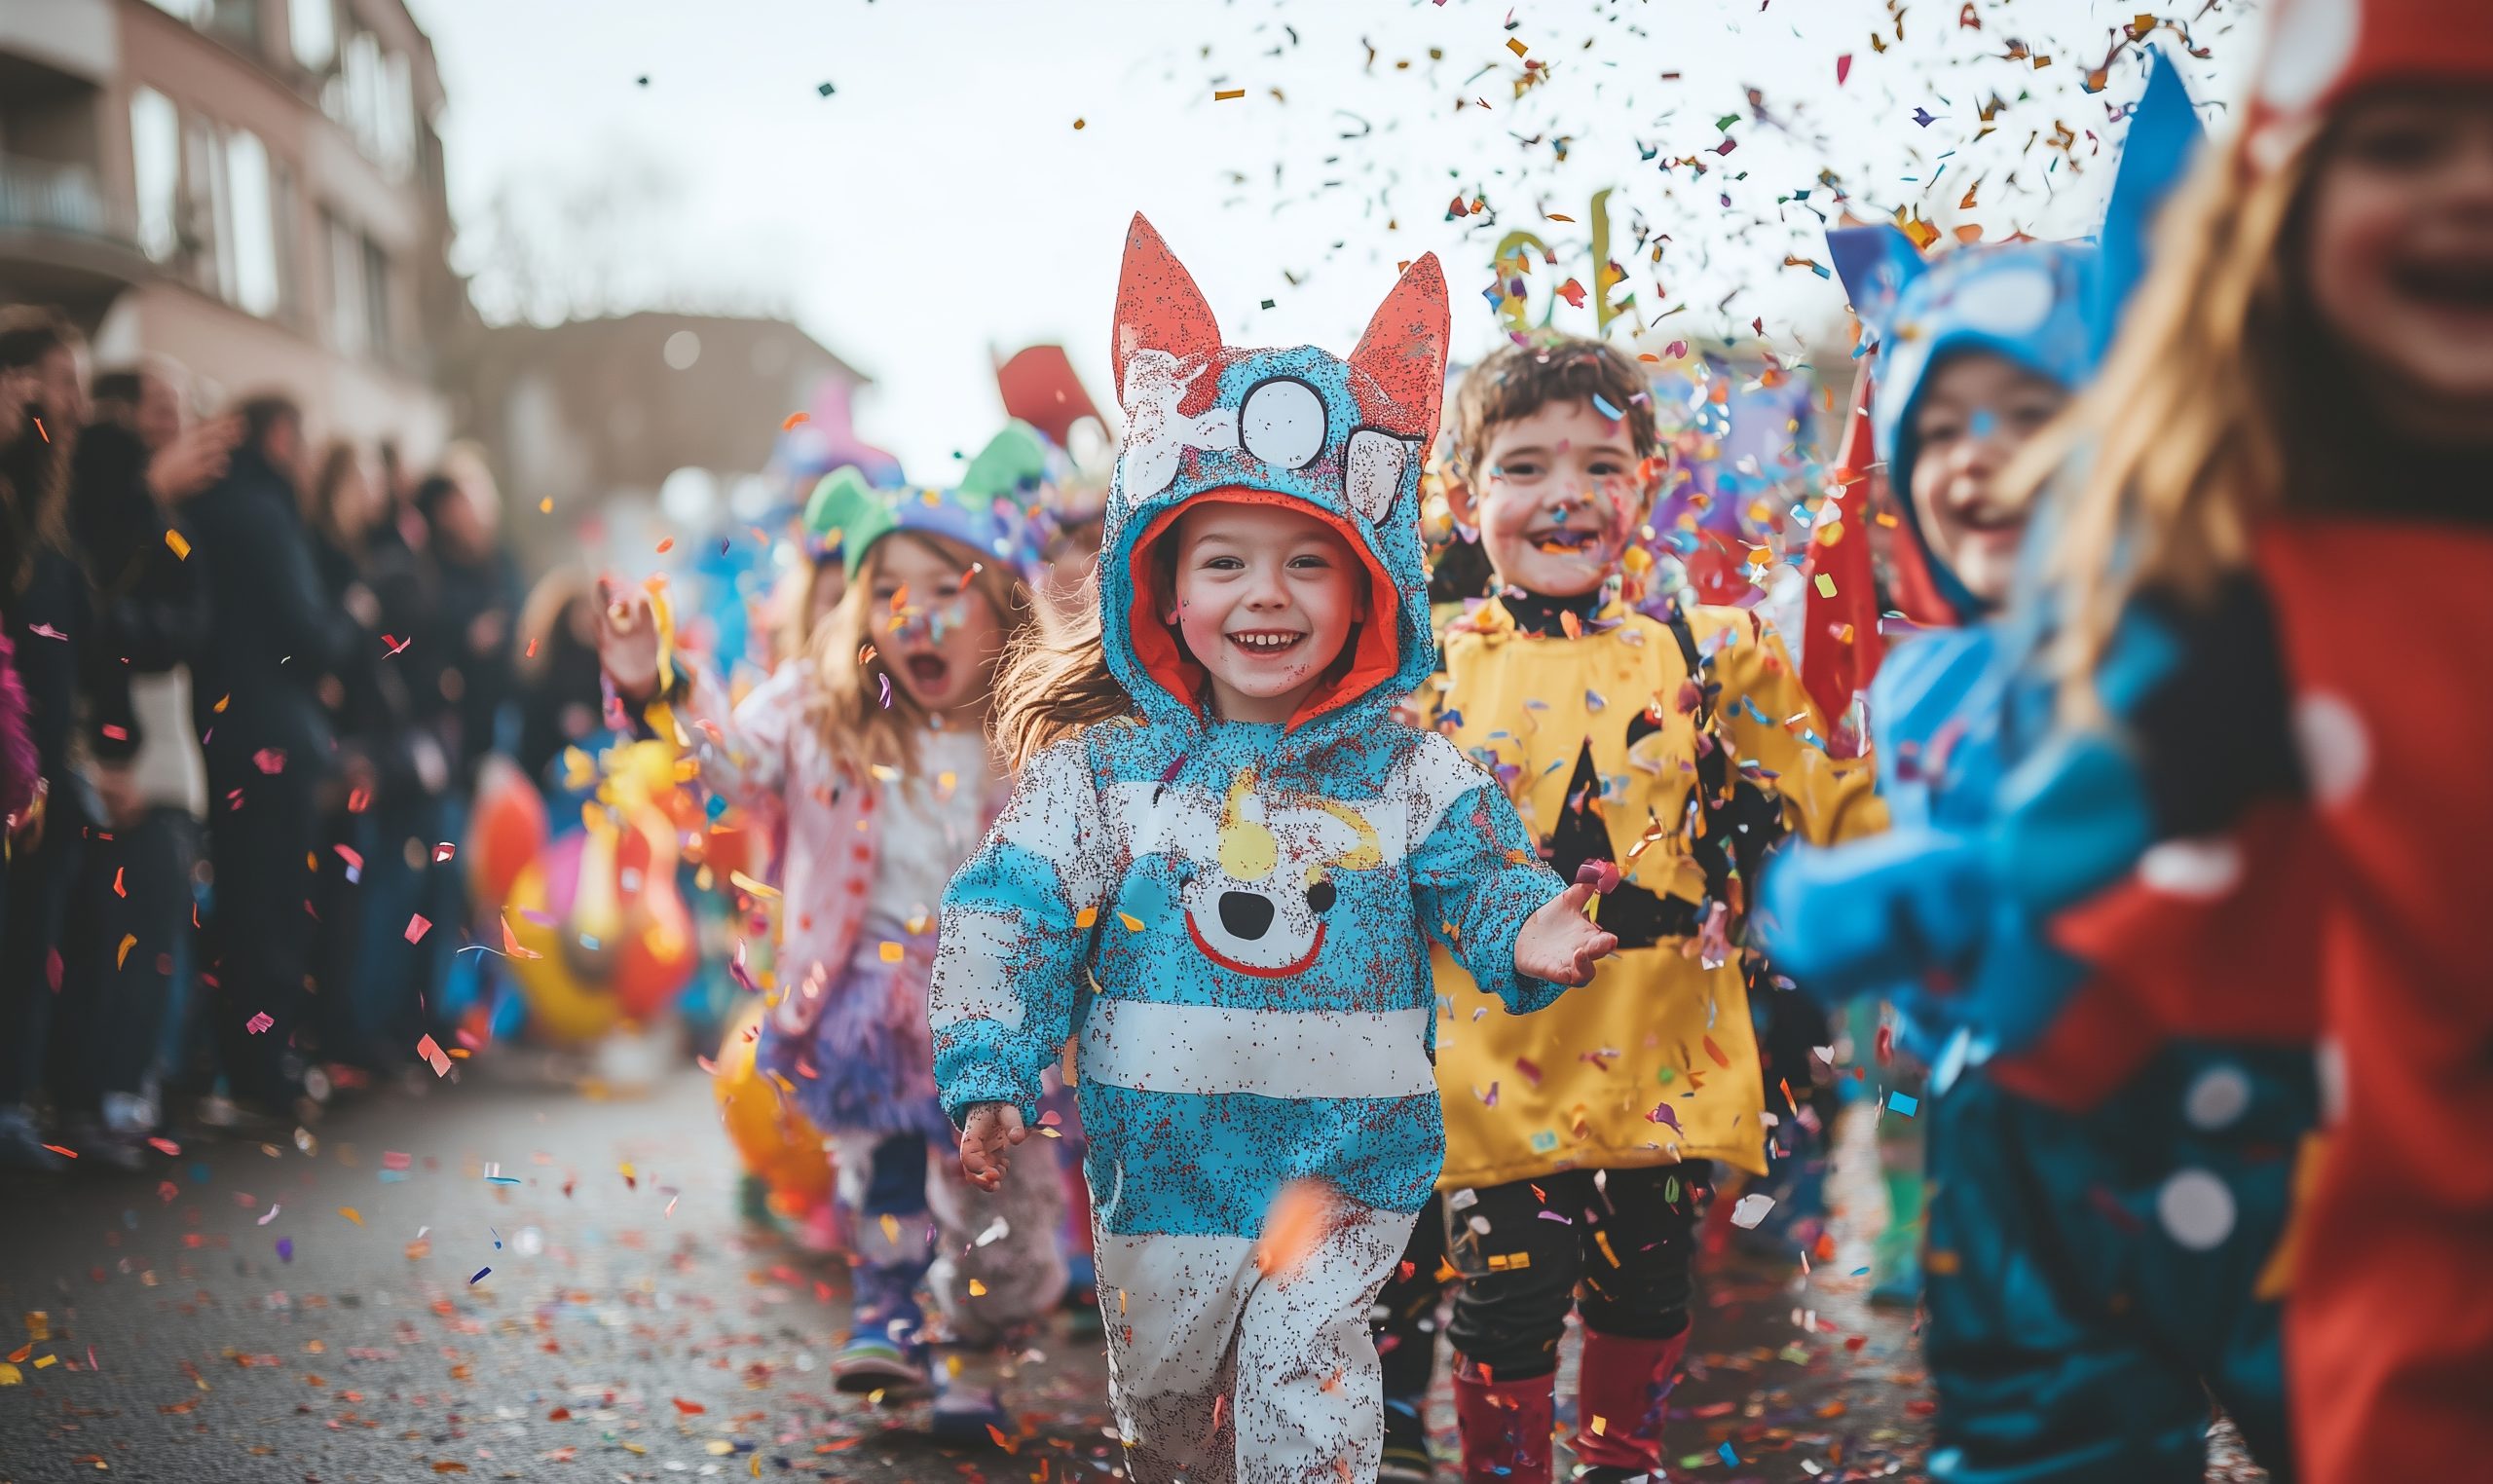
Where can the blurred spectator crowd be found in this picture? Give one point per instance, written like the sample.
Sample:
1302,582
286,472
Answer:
249,682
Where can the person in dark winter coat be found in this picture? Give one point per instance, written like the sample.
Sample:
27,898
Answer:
270,750
50,614
153,624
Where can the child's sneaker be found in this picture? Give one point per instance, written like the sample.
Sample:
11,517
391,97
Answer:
1408,1460
968,1413
886,1351
874,1362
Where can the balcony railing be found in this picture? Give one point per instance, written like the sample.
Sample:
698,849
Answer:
53,197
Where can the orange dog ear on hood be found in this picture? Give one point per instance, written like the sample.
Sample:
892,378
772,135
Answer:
1404,348
1159,308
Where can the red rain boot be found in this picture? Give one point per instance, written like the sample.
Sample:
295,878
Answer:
1504,1426
1621,1400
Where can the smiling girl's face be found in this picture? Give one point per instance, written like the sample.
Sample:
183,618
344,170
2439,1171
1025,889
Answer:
2399,255
1265,596
1975,410
1557,498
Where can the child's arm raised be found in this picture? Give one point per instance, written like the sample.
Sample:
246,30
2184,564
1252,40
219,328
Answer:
1480,888
744,749
1013,937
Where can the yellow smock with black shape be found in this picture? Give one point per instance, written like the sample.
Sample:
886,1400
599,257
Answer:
1593,728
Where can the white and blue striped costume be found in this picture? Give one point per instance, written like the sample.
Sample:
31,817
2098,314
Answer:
1230,923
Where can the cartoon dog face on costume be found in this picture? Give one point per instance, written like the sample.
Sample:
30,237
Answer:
1257,902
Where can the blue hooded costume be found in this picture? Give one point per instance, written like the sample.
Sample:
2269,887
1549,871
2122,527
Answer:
1230,921
2087,1272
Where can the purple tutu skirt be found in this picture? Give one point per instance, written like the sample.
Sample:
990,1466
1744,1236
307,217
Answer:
868,1063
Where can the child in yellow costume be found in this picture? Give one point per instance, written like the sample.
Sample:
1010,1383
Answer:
1661,757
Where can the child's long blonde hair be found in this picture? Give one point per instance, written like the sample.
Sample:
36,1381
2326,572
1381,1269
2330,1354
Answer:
2201,414
857,729
1055,681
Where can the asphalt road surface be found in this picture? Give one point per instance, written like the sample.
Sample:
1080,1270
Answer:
508,1277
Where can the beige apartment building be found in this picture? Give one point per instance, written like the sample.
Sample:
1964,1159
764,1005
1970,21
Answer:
254,187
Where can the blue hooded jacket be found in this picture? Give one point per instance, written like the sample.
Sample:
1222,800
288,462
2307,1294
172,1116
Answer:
1952,710
1230,919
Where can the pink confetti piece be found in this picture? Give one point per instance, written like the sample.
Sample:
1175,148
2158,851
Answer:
431,1050
274,1208
443,851
258,1023
268,759
417,926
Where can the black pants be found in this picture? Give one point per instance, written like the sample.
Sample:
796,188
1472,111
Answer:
1616,1244
259,938
1404,1322
133,886
37,897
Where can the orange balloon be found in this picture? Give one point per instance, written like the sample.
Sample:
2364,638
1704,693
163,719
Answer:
771,1134
506,832
656,953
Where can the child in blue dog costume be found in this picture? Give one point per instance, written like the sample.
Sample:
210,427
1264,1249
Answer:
1218,877
2088,1274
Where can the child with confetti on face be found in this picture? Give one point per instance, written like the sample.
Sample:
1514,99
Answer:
871,745
2102,1367
1659,758
2264,814
1216,878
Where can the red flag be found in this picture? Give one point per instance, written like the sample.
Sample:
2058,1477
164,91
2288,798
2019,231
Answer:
1841,651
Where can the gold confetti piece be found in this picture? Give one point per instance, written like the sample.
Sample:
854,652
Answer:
180,547
128,941
1517,46
1826,585
351,1214
977,1289
752,888
547,505
889,952
1134,925
1224,94
1085,917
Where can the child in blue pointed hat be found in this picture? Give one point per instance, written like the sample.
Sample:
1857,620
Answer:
2082,1303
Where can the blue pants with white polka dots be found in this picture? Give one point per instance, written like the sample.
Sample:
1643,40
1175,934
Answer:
2093,1278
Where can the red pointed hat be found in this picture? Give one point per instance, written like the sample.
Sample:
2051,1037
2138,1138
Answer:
2322,52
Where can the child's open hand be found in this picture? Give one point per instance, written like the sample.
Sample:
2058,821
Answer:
990,1130
1559,944
627,640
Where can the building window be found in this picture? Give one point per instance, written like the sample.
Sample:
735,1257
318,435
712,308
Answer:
204,232
156,169
347,326
313,25
373,98
251,223
238,20
376,298
360,317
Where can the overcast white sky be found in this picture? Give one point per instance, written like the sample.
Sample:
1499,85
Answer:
941,202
